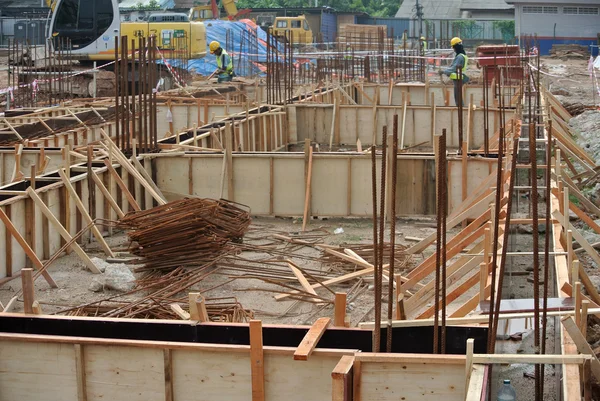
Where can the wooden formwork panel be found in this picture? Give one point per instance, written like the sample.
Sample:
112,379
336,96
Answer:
358,122
411,381
186,116
39,369
275,184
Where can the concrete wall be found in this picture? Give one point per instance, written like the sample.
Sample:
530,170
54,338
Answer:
559,26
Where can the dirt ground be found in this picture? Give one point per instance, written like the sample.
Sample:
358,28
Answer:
74,279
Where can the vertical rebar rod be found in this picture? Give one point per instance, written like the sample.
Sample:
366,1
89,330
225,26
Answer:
377,330
391,278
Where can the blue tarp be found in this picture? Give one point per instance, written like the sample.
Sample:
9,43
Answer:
218,30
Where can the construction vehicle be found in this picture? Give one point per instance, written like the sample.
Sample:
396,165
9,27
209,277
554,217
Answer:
211,11
92,26
293,29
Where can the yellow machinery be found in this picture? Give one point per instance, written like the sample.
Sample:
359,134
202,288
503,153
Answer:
294,29
211,11
92,25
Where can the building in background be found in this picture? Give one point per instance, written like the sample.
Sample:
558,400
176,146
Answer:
558,22
475,21
24,20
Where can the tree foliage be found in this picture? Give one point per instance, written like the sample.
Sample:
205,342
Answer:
375,8
152,5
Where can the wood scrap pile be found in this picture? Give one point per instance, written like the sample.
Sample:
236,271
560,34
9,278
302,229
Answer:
569,51
187,232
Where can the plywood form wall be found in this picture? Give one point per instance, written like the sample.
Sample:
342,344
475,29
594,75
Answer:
185,116
274,184
48,370
357,122
420,94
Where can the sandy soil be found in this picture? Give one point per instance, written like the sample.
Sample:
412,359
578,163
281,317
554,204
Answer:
74,280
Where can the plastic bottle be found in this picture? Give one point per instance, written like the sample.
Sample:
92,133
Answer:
507,392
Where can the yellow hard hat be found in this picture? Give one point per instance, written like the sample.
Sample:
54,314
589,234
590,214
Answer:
422,37
455,41
214,45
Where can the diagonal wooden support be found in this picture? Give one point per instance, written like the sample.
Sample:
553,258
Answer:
106,194
122,186
61,230
37,263
578,237
84,213
310,340
582,345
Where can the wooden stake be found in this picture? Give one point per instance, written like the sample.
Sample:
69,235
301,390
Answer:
577,295
80,372
257,363
201,309
122,186
229,156
61,230
107,195
168,369
28,293
469,362
464,176
340,309
192,298
585,304
307,191
309,343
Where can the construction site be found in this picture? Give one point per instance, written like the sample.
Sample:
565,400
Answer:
341,220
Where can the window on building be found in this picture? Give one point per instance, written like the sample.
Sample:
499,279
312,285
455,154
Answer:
580,10
570,10
533,9
550,10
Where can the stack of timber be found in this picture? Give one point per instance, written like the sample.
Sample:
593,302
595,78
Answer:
570,50
188,232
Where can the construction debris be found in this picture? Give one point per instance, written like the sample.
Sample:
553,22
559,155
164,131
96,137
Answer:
570,50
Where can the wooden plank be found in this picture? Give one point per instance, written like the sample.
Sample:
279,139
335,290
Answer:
84,213
27,286
340,309
337,280
583,216
310,340
37,263
229,158
178,310
122,186
341,378
307,190
303,281
475,389
532,359
573,190
107,195
452,222
80,372
582,345
578,237
61,230
168,367
257,363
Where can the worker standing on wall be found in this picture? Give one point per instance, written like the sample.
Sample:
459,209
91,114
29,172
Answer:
224,62
460,62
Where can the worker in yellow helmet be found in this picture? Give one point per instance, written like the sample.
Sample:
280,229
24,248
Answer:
423,43
224,62
460,62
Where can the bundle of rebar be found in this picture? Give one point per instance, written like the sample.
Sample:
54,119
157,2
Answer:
187,232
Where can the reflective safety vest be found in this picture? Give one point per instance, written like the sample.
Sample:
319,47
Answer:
224,59
454,75
424,46
348,55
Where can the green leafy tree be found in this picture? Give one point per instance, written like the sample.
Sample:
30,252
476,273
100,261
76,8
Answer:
506,28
